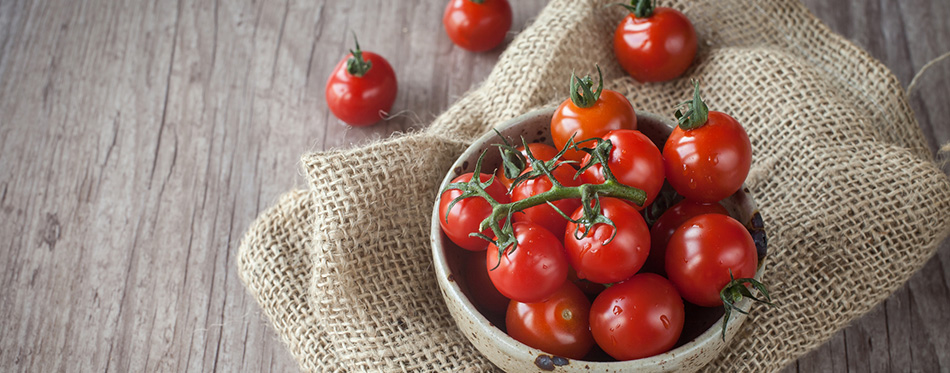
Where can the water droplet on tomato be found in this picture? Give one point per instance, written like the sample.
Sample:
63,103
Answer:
617,310
692,183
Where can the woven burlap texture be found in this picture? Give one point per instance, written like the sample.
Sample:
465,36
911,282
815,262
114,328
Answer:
852,200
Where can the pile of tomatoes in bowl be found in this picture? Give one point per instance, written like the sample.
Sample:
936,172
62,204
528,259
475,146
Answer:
602,242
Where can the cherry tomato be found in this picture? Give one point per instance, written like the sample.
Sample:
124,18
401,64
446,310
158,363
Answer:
664,227
477,25
617,260
708,163
559,326
655,47
701,253
540,151
640,317
534,270
468,214
362,88
483,293
543,214
612,111
634,160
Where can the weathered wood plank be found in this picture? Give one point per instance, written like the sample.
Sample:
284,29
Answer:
138,140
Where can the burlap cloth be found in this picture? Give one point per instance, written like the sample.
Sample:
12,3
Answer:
850,194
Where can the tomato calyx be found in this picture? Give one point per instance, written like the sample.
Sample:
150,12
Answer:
640,8
696,112
734,291
499,221
357,65
581,94
477,1
512,161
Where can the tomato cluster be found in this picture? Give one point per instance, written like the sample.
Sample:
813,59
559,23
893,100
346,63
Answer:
581,271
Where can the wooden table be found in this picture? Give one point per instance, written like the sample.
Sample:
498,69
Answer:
140,140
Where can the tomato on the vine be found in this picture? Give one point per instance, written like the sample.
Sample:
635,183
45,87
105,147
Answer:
590,114
671,219
640,317
477,25
634,160
483,293
654,45
362,88
559,325
703,251
534,270
540,151
708,155
466,215
617,260
544,215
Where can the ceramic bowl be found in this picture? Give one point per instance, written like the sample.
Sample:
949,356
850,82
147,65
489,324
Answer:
701,340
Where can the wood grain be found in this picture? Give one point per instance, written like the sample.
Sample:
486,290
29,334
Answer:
139,139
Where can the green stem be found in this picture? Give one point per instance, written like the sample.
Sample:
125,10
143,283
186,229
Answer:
640,8
696,114
589,194
582,93
356,65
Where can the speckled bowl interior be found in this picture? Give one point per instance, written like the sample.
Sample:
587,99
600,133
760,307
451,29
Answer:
701,340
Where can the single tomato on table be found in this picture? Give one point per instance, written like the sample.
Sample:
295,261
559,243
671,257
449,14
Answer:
634,160
600,261
640,317
544,215
708,155
559,325
589,114
705,253
477,25
467,214
532,271
671,219
362,88
654,44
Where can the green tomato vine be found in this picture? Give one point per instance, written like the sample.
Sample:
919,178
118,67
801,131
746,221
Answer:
499,221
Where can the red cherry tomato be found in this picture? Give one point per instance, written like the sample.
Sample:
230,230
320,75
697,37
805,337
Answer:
468,214
534,270
544,215
362,88
634,160
640,317
540,151
655,48
612,111
559,326
701,253
617,260
664,227
708,163
483,293
477,26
